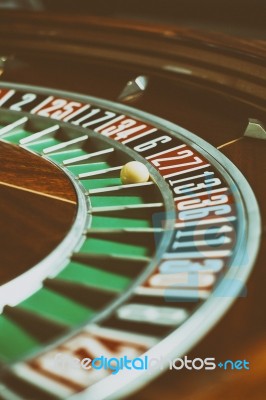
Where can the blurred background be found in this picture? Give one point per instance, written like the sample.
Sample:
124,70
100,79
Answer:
240,17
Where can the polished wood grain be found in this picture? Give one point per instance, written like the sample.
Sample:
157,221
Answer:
28,171
37,208
232,65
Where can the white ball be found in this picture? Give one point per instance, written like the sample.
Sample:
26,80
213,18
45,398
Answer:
134,172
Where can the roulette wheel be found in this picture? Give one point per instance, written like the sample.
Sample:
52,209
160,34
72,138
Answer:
135,274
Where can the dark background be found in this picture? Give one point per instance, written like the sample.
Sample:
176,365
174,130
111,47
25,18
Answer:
243,17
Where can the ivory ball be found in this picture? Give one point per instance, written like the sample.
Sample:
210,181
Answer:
134,172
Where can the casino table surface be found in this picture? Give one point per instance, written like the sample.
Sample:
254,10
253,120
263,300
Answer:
91,266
